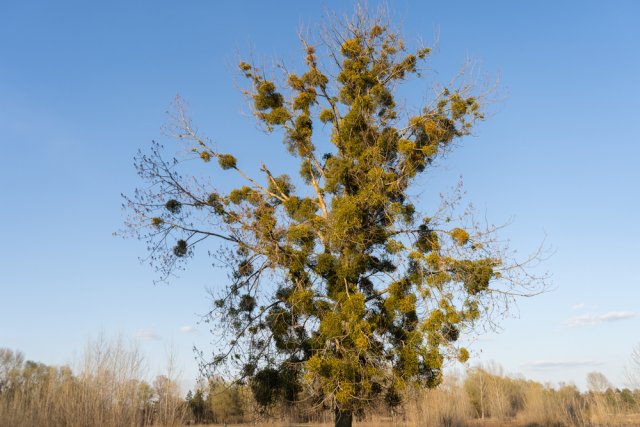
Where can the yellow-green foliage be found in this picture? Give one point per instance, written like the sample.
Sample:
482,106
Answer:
460,236
367,298
227,161
205,155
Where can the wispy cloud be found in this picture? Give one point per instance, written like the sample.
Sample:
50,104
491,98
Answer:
556,364
594,319
147,335
577,306
187,329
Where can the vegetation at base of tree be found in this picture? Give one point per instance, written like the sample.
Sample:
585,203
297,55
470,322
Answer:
341,290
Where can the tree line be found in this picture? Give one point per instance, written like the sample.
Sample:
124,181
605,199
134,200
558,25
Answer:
108,390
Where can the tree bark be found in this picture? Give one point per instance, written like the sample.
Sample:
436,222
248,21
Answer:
343,418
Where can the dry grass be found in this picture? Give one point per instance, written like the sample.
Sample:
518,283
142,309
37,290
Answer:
619,421
448,406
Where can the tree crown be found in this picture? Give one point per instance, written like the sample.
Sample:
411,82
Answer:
340,290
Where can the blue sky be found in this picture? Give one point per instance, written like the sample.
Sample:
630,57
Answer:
84,85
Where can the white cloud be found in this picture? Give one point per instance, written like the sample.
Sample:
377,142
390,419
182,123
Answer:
577,306
594,319
147,335
187,329
556,364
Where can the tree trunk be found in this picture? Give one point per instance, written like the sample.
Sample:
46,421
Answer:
343,418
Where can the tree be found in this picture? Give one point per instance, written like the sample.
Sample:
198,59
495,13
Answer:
632,369
198,406
597,382
225,400
338,285
10,365
168,405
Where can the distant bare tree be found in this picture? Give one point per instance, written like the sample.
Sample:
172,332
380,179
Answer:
597,382
10,363
632,370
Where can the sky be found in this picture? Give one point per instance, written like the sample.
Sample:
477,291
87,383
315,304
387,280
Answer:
84,85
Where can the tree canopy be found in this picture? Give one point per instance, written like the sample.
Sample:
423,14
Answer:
340,290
